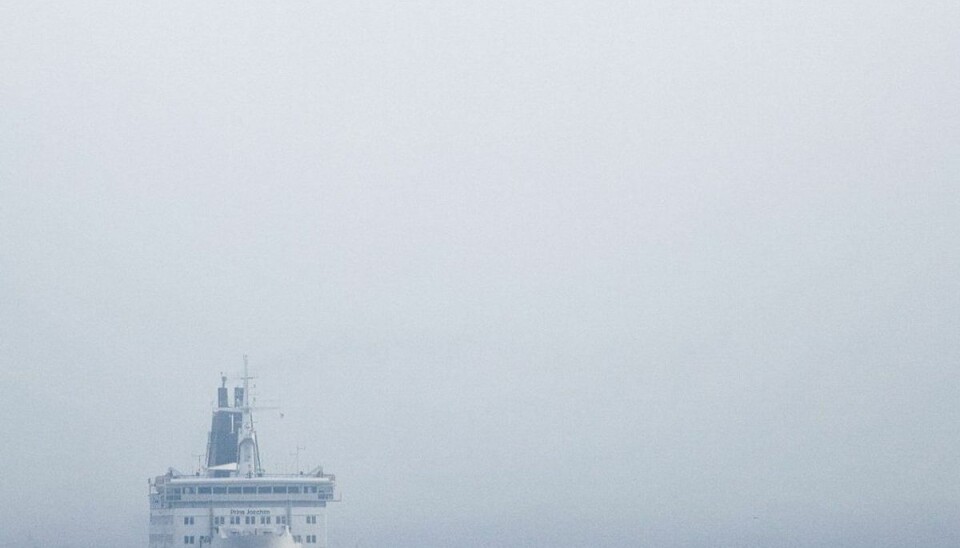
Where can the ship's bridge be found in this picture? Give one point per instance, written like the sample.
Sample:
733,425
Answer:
172,491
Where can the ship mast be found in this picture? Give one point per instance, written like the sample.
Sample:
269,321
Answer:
248,454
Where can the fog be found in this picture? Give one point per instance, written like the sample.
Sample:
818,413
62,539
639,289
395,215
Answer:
539,274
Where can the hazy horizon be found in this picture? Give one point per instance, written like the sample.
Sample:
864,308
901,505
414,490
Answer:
519,273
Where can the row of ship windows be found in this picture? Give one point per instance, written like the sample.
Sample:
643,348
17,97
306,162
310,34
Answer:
250,520
247,520
192,539
273,489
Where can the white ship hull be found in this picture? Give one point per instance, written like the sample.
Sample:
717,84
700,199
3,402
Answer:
254,541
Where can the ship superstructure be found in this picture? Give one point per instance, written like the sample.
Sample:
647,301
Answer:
231,502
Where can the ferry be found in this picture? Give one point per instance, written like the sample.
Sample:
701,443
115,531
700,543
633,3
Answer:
231,502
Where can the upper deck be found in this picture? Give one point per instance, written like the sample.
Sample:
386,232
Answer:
297,490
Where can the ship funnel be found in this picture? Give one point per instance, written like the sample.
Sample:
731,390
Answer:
238,397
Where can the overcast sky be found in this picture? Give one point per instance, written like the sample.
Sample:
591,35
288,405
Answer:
520,273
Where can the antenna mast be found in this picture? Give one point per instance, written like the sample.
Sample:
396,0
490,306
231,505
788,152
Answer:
248,454
246,382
